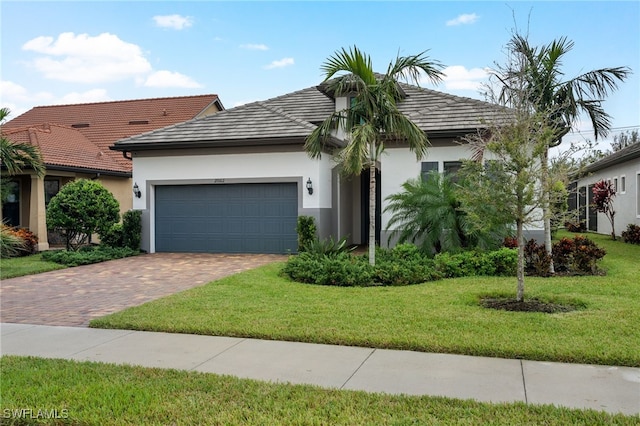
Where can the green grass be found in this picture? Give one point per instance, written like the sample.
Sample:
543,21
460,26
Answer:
103,394
442,316
27,265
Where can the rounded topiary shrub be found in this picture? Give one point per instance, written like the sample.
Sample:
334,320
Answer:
82,208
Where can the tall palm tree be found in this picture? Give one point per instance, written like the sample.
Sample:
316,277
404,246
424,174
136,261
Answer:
16,157
373,117
538,72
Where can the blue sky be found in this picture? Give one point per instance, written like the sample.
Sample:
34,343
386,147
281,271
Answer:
73,52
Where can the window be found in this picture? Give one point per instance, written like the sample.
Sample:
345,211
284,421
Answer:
623,184
615,185
451,168
51,188
427,167
11,204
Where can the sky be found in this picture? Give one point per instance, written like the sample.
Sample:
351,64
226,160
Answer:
75,52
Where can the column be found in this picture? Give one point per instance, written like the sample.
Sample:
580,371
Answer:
38,213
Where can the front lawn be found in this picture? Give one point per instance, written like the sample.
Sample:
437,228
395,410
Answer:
104,394
27,265
442,316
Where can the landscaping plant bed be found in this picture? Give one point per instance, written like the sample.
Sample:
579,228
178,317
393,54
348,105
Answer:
527,305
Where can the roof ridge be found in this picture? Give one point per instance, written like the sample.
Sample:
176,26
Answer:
126,100
288,116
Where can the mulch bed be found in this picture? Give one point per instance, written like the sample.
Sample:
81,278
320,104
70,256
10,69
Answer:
527,305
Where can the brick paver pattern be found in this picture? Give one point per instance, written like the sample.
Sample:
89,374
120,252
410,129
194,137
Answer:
74,296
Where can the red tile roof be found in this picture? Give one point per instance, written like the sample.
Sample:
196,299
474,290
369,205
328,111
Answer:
103,123
66,147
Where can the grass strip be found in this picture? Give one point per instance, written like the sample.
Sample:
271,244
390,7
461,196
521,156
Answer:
86,393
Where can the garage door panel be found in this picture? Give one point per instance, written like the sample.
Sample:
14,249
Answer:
231,218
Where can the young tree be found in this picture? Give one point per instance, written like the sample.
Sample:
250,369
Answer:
603,194
81,208
373,118
538,76
506,189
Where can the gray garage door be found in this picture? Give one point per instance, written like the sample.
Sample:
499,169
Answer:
227,218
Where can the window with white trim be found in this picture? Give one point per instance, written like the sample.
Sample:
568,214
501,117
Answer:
623,184
615,184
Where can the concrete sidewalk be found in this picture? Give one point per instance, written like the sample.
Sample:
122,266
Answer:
610,389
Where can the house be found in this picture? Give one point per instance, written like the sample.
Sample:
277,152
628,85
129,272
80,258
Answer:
236,181
622,169
75,140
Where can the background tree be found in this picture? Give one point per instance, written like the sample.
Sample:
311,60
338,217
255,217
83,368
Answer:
603,194
373,117
80,209
625,139
538,76
429,213
16,157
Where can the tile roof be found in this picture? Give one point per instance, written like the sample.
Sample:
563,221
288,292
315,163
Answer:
296,114
65,147
103,123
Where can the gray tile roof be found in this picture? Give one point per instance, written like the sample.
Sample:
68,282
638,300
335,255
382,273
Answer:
292,117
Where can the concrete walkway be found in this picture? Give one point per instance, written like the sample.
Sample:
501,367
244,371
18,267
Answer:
610,389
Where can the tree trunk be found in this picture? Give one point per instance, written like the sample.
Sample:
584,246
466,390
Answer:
546,209
520,271
372,212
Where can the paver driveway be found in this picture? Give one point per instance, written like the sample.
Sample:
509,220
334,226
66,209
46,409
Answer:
74,296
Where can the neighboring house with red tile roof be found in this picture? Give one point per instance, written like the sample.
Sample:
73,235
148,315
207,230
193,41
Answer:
75,140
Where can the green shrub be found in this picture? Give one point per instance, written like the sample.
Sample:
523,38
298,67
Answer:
504,261
328,247
306,229
81,208
87,255
339,270
405,272
632,234
113,237
132,229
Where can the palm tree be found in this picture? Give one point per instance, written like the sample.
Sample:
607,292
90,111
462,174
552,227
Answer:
373,117
538,73
430,214
16,157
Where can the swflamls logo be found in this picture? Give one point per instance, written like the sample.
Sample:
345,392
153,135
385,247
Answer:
30,413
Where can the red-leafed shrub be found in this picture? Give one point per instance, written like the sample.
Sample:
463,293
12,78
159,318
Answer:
30,241
510,242
562,253
603,193
586,255
537,260
632,234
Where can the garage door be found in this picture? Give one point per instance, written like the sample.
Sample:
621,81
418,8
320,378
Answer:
227,218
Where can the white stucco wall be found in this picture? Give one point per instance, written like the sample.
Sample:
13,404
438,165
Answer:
229,168
626,204
399,164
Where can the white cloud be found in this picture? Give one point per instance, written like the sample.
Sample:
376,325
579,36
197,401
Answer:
94,95
176,22
254,46
467,18
457,77
171,79
85,59
285,62
18,99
